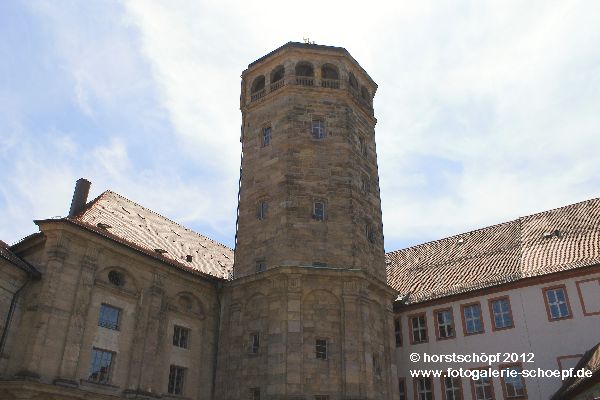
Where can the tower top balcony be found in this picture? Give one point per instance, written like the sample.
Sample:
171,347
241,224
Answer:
306,65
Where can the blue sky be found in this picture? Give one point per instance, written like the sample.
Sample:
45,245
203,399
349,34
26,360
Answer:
486,110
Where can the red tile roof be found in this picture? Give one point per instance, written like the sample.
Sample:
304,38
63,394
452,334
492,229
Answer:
551,241
132,224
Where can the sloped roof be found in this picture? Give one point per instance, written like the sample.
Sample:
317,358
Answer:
9,255
146,230
576,385
550,241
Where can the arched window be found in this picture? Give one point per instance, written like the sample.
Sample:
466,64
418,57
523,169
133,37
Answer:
277,77
305,74
258,84
352,81
277,74
257,90
329,76
304,68
329,71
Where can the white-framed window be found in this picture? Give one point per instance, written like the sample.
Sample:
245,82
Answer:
452,388
176,379
514,384
321,349
181,336
445,324
101,366
501,313
418,327
473,322
424,389
318,129
483,388
557,302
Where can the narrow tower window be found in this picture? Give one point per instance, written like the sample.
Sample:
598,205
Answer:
254,343
266,136
261,266
319,211
318,129
262,209
321,349
369,233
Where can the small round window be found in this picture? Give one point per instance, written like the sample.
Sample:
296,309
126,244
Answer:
116,278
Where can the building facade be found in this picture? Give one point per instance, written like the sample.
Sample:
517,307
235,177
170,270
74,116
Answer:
115,301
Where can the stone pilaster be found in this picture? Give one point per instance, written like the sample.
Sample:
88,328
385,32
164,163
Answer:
74,336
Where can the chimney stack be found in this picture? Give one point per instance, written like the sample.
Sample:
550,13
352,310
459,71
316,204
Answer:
82,189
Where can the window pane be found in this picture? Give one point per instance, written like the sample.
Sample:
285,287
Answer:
318,129
176,380
109,317
319,211
266,138
100,366
321,349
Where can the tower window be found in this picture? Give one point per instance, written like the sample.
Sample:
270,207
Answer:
369,233
263,207
319,210
254,343
266,136
318,129
261,266
321,349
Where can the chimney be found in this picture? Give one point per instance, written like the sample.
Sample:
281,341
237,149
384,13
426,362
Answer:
82,189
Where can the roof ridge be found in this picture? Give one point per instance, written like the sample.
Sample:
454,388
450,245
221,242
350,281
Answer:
561,207
457,236
106,192
516,220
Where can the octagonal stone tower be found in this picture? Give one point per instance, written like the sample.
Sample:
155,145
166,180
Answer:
308,312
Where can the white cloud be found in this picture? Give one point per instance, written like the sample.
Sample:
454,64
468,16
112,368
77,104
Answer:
487,110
